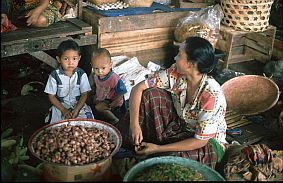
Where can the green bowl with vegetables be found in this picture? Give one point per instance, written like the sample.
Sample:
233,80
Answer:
171,168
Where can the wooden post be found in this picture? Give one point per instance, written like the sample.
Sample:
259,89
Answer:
80,9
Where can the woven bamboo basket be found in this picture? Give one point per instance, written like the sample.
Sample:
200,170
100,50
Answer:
247,15
99,2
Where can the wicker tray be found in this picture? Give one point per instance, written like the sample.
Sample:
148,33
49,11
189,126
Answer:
250,94
247,15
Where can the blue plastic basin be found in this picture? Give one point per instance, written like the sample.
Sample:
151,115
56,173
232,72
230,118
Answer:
207,172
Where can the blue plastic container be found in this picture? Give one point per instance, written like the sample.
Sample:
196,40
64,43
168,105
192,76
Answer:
208,173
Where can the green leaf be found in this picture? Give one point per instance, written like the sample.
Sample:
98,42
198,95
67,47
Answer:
13,155
16,160
17,150
6,133
23,151
6,143
26,89
21,141
23,158
7,171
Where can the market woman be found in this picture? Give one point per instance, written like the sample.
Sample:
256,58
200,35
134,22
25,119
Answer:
179,111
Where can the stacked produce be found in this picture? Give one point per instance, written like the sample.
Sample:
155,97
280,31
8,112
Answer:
73,145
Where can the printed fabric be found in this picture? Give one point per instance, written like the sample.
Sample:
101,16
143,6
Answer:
20,8
109,88
205,115
160,124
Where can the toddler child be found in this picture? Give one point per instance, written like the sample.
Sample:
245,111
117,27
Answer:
68,86
108,100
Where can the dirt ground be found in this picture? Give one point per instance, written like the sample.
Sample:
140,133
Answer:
25,114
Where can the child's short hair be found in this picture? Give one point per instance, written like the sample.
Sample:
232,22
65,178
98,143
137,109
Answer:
68,45
101,51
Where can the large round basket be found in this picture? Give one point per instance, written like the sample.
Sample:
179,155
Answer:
208,173
250,94
96,171
247,15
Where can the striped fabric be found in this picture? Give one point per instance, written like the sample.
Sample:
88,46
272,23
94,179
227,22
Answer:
160,124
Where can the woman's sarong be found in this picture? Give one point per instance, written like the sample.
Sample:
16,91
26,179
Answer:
160,124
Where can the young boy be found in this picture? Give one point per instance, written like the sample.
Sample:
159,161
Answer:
68,86
108,100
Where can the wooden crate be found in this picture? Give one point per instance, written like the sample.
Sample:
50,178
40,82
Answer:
240,46
148,36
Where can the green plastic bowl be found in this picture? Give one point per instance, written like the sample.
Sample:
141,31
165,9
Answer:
208,173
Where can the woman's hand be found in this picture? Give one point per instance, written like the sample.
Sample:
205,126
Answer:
32,16
146,148
136,134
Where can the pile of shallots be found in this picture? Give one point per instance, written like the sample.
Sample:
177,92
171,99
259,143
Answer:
73,145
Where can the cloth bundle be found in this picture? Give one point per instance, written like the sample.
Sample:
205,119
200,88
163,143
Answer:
255,162
6,24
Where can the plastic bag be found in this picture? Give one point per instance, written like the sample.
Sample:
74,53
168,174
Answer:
204,23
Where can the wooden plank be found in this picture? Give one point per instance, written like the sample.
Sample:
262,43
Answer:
237,123
239,50
242,124
139,22
59,29
257,55
262,47
80,9
44,57
80,24
142,46
43,44
230,113
269,32
163,56
27,33
229,48
232,119
138,38
232,31
92,19
260,38
239,41
240,58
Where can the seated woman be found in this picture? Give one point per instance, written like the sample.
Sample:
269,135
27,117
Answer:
179,111
38,13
